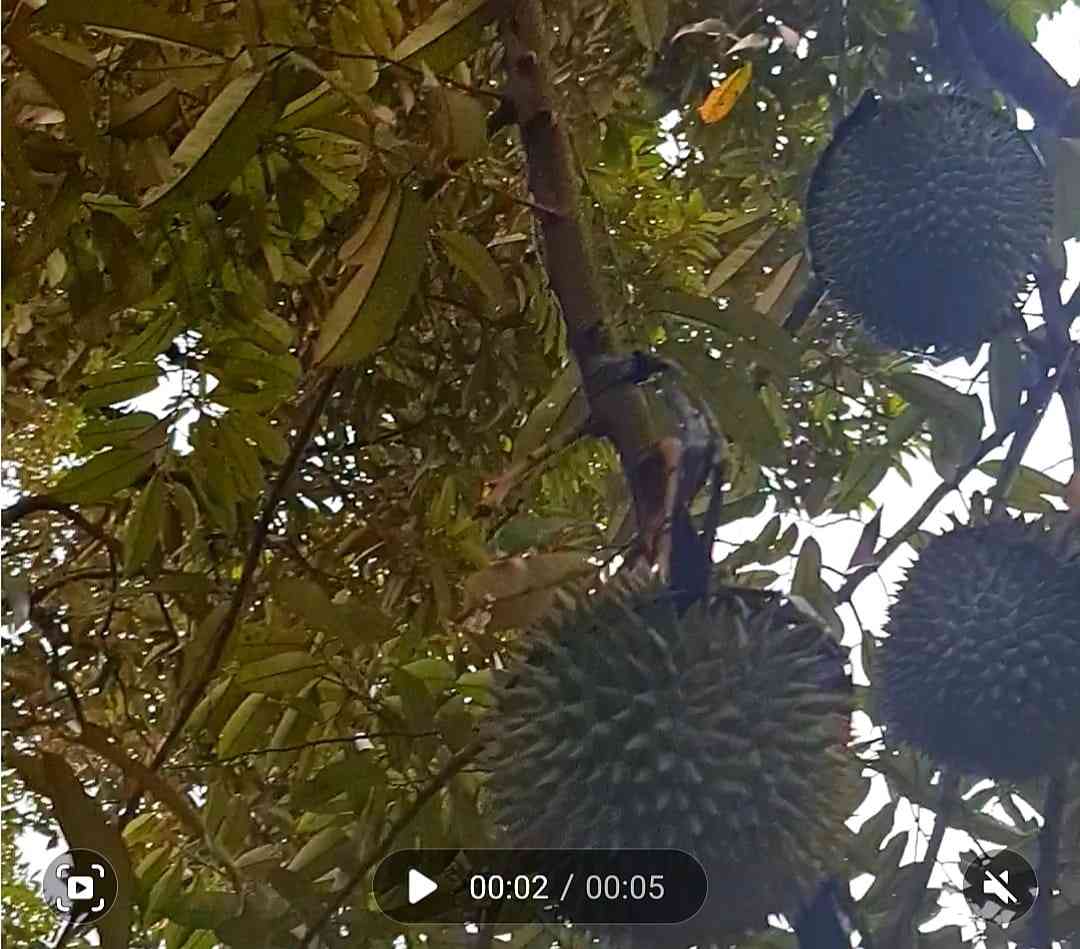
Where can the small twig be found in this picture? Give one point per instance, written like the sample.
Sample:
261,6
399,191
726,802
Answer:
445,774
216,648
901,934
915,522
382,61
31,504
1025,430
304,745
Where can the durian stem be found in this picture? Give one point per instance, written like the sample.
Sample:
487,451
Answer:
1040,930
617,412
902,930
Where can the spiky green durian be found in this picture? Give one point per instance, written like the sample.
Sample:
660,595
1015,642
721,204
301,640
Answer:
981,668
720,732
925,215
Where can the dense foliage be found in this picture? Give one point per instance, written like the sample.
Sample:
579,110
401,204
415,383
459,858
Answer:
252,616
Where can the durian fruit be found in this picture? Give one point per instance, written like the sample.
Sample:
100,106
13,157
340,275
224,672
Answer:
925,215
981,668
720,732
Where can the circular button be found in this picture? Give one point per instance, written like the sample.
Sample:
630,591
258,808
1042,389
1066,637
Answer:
80,885
1001,888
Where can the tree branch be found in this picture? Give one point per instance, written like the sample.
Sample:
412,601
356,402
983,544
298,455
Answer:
1025,431
216,648
31,504
617,412
913,523
445,774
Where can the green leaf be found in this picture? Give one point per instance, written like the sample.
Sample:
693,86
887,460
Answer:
48,228
764,340
117,385
521,533
956,420
100,478
242,363
872,463
367,310
650,21
148,114
320,853
807,579
245,727
744,417
340,187
359,69
1033,480
286,672
562,409
738,258
64,70
141,536
475,261
134,21
99,433
164,893
270,439
309,601
459,124
453,33
223,139
436,673
242,457
779,284
1006,380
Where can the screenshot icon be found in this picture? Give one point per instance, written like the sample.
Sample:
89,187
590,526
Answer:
80,884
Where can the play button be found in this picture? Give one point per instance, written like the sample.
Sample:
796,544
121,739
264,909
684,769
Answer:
420,886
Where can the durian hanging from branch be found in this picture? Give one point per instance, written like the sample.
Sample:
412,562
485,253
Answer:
720,731
981,664
925,216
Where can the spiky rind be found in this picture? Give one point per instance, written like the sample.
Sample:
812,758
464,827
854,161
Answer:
720,732
981,669
925,215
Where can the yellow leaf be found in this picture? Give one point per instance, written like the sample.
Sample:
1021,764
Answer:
722,99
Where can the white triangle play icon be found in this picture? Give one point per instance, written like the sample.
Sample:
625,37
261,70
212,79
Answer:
420,886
